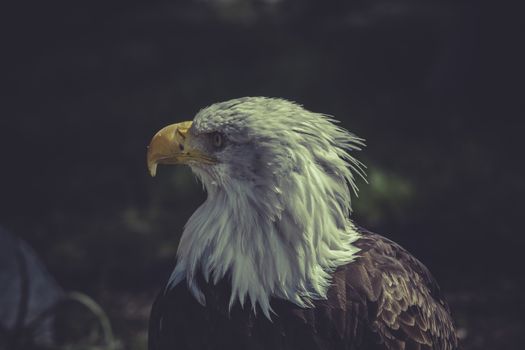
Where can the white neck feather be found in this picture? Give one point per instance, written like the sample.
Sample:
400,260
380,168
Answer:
281,241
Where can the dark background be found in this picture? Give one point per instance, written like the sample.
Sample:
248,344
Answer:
433,86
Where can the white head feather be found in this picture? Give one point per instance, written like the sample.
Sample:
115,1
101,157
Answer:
276,216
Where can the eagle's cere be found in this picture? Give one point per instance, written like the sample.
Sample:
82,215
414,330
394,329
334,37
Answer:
275,226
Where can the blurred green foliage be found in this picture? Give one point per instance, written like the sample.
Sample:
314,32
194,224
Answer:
385,198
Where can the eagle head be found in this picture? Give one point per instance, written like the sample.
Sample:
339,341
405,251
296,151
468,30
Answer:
279,180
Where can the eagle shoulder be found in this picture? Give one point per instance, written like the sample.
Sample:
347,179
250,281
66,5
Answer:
406,308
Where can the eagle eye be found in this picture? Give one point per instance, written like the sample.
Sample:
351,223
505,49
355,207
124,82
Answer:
217,139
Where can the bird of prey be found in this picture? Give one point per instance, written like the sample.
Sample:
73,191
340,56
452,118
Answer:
271,259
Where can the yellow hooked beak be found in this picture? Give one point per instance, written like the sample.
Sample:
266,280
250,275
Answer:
171,145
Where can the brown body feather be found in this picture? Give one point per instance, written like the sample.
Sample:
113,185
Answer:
385,299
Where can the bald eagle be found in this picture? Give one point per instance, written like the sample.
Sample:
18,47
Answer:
271,259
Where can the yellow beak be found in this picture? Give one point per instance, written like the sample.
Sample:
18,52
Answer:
171,146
